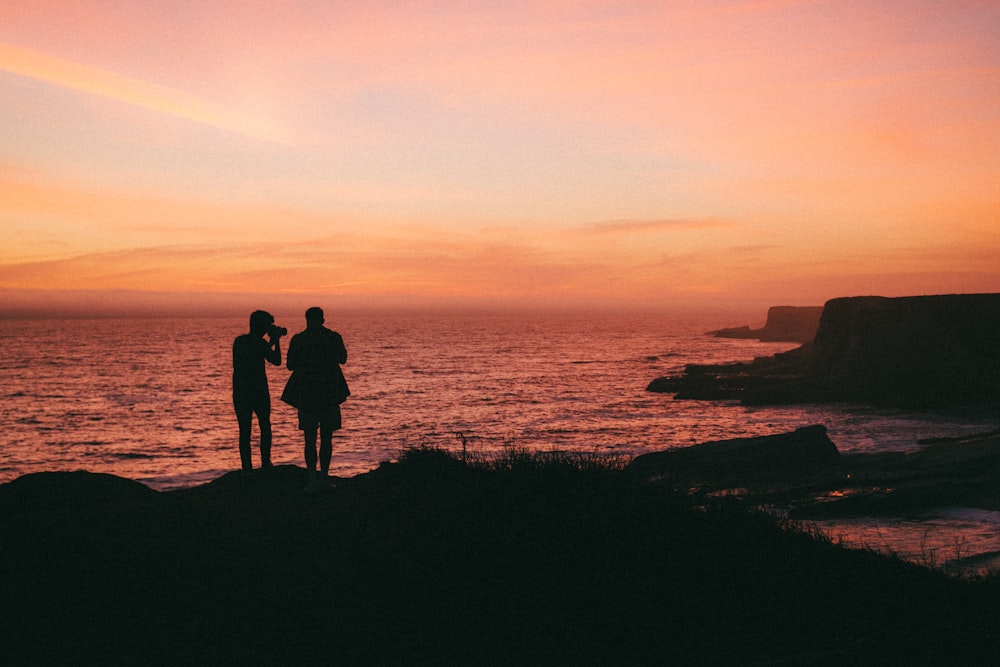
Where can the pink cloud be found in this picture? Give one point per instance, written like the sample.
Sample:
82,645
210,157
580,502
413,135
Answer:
665,225
129,90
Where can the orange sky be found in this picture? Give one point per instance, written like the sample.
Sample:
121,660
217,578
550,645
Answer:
644,154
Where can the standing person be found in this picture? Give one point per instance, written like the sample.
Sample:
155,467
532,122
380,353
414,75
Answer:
317,388
250,392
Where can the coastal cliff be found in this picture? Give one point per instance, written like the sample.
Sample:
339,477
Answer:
917,352
933,349
794,324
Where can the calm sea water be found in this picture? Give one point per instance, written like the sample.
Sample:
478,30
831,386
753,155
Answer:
150,399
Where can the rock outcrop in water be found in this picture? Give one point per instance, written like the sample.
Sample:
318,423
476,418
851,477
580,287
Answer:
794,324
916,352
804,470
736,461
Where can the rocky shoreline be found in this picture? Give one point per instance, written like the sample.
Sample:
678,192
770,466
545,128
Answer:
805,472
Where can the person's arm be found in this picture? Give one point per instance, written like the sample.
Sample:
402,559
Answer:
272,351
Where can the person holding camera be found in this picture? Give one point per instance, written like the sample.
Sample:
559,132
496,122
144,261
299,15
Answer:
250,391
316,388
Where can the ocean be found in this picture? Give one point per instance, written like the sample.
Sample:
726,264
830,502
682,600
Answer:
150,399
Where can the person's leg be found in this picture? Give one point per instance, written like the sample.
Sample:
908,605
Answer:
329,424
310,451
264,421
244,417
310,437
309,425
325,449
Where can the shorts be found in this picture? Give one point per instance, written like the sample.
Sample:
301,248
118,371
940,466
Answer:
328,419
250,402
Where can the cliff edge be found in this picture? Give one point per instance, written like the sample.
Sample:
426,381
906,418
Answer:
917,352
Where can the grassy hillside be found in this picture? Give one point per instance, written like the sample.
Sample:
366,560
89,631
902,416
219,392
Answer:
429,560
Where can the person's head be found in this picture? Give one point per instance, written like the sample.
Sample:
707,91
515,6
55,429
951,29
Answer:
314,317
260,320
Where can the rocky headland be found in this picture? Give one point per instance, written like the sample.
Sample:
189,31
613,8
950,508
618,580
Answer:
792,324
918,352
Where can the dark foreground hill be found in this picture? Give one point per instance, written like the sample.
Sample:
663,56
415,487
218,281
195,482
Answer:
430,561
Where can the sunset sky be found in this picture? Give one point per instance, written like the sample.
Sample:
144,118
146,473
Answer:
384,154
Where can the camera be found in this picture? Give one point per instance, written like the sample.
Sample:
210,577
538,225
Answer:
276,332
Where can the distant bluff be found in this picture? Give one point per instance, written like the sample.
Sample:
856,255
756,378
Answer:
917,352
795,324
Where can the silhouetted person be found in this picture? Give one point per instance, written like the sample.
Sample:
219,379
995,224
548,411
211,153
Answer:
250,392
317,388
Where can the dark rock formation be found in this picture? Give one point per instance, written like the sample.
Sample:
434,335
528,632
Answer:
794,324
951,472
783,372
804,472
739,461
930,350
916,352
